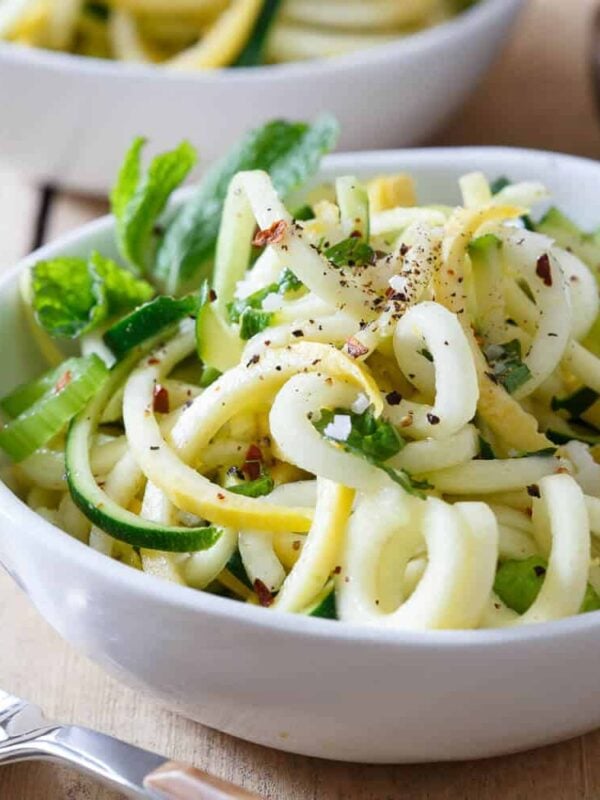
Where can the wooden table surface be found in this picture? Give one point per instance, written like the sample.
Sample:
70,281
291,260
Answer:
538,95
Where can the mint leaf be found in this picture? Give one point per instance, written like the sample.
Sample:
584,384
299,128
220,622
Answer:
72,296
139,199
352,252
289,151
518,584
506,365
373,439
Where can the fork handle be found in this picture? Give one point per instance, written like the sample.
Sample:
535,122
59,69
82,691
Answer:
134,772
175,781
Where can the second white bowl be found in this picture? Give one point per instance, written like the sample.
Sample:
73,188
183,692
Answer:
69,120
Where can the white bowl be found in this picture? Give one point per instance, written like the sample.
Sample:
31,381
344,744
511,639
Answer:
69,120
311,686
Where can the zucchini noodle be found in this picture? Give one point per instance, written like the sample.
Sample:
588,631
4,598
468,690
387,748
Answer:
405,431
207,34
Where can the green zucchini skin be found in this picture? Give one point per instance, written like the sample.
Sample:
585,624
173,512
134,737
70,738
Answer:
97,506
147,321
324,606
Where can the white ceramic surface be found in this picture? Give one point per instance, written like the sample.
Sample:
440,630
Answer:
306,685
69,120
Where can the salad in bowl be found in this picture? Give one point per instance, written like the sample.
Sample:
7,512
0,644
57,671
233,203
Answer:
186,35
322,397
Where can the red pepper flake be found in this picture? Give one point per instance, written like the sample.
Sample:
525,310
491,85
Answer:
220,496
265,598
356,235
543,270
212,295
252,466
337,570
296,544
271,235
355,348
63,381
153,361
161,399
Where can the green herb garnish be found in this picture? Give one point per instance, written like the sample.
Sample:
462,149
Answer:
138,199
72,296
351,252
507,366
287,283
373,439
257,488
253,321
289,151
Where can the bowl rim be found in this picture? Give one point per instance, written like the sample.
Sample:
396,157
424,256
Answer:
465,23
15,512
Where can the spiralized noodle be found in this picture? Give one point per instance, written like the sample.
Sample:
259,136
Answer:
415,402
206,34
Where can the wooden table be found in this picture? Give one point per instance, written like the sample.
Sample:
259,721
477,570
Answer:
537,96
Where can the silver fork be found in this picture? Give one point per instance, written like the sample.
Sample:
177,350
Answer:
136,773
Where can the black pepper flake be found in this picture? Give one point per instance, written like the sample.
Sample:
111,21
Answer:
543,269
432,419
212,295
297,333
533,490
154,447
254,360
337,570
539,570
394,398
